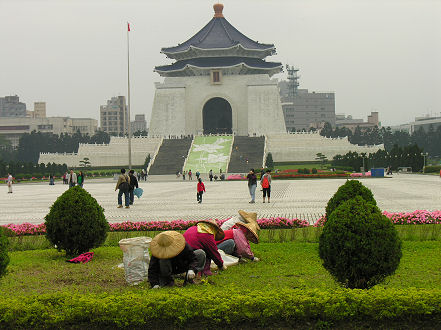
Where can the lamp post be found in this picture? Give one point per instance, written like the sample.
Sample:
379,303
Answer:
424,154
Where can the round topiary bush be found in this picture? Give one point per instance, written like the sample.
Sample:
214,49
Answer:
76,222
348,191
359,246
4,258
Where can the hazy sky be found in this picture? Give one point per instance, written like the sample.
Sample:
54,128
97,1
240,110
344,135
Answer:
376,55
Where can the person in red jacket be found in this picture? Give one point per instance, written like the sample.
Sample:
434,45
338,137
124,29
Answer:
201,190
203,236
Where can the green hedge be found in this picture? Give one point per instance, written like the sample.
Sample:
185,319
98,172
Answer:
432,169
220,308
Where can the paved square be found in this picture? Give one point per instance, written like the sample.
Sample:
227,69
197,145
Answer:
168,198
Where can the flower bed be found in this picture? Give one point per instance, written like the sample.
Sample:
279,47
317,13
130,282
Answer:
309,176
26,229
417,217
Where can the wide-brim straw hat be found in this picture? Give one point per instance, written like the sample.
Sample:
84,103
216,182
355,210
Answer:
167,244
253,237
219,232
250,217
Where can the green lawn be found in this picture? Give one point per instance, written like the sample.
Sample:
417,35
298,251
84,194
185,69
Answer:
288,288
282,265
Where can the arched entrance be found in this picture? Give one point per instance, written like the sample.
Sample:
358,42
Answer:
217,116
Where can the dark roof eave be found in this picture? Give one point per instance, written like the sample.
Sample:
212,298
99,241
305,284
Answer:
169,50
280,66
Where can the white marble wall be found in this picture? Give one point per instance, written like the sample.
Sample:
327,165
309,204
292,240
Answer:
305,146
113,154
253,99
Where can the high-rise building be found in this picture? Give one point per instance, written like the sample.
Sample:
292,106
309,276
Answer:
10,106
139,125
113,116
39,109
303,109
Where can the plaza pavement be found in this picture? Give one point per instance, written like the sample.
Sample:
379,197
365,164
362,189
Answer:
169,198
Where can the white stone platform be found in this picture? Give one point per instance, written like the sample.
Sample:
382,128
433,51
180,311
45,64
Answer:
169,198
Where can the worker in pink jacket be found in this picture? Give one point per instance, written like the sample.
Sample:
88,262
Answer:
203,236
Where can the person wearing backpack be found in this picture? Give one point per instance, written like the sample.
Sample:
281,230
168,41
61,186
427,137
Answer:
123,185
265,182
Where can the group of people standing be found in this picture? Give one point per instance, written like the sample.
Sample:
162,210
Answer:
126,186
191,253
265,183
72,179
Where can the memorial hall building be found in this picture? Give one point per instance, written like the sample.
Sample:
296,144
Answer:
219,83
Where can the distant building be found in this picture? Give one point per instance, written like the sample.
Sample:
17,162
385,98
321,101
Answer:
342,121
13,128
425,123
139,125
10,106
39,110
113,116
304,110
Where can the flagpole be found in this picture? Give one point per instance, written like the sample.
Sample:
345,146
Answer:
129,129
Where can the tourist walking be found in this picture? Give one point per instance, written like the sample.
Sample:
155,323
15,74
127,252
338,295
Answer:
80,179
72,179
197,174
51,180
200,190
190,175
210,175
183,175
9,183
252,184
65,175
171,255
133,184
123,185
265,182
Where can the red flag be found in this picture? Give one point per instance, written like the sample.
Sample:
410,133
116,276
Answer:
128,26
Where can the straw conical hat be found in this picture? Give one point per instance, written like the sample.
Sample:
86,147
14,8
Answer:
167,244
253,237
219,232
250,217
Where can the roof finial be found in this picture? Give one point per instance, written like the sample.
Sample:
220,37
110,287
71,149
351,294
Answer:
218,7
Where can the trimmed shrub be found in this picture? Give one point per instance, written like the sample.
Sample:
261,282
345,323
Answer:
4,258
211,308
432,169
359,246
76,222
314,171
306,171
347,191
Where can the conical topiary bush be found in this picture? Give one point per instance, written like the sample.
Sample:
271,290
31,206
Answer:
348,191
359,246
4,258
76,222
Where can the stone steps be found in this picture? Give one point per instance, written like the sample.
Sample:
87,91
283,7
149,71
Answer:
171,156
246,148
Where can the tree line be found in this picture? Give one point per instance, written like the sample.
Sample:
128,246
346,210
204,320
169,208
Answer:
408,156
31,144
429,141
